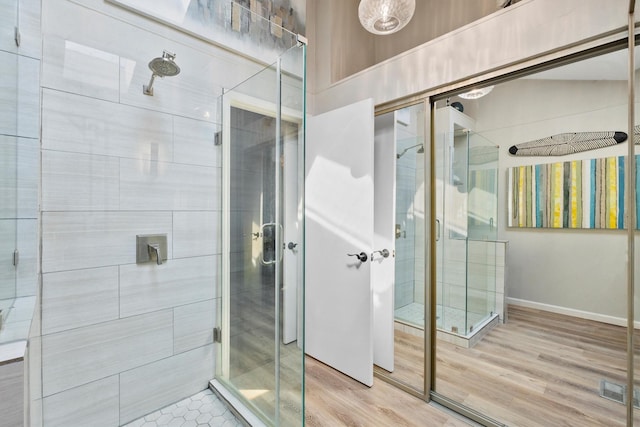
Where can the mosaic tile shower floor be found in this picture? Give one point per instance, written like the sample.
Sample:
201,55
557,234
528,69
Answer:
201,410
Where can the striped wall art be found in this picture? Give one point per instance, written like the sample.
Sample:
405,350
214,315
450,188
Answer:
572,194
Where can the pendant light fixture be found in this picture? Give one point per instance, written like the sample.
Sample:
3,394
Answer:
385,16
476,93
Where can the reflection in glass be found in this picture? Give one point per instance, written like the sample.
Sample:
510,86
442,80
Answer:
562,334
467,247
9,188
405,129
636,285
466,225
261,358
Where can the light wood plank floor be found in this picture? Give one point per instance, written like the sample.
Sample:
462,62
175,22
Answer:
333,399
539,369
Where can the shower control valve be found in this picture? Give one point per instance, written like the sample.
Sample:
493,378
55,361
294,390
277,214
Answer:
362,257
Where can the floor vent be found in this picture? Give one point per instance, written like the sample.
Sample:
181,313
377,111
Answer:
618,392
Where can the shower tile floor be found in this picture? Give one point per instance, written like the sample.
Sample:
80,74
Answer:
413,313
200,410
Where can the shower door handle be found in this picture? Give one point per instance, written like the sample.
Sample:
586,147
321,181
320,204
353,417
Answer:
271,240
268,242
437,229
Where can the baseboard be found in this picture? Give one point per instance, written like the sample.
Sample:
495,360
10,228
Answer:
612,320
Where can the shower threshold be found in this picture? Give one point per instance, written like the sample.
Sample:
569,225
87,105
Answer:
472,338
466,341
242,412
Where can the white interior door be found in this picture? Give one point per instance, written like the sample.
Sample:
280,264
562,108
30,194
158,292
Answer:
339,221
383,259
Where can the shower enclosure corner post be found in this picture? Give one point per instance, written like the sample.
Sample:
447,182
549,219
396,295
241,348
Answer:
430,234
278,235
222,368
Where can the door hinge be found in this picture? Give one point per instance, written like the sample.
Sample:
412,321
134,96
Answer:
16,257
217,335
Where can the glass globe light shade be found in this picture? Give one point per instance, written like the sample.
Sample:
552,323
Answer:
385,16
476,93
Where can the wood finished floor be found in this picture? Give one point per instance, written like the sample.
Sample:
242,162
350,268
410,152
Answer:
539,370
333,399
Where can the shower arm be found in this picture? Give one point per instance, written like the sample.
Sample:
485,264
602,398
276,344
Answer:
148,89
407,149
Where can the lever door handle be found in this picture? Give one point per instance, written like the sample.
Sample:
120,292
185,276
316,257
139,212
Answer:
362,257
384,253
292,245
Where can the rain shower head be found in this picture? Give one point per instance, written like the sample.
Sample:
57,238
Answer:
162,67
403,152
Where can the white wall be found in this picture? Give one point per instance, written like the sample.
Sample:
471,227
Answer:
119,339
582,270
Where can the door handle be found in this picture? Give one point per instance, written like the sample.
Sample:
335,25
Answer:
292,245
276,228
437,229
384,253
362,257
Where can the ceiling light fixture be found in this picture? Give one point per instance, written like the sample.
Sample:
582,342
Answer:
476,93
385,16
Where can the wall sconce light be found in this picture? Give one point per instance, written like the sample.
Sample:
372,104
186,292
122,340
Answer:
385,16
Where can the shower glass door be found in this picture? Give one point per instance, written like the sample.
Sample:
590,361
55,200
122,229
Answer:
261,357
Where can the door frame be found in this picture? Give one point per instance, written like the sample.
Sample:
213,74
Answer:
384,218
429,244
232,99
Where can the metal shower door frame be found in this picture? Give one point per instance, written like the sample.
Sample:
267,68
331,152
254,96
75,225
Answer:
245,102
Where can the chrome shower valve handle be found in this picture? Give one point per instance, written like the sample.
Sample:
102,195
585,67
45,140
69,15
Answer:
154,248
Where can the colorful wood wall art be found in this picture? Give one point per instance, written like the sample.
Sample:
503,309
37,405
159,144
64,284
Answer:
574,194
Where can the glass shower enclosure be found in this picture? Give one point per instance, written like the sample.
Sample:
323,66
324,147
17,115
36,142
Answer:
467,218
261,354
466,172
